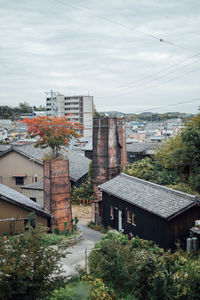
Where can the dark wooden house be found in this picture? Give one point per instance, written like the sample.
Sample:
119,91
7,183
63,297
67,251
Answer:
151,211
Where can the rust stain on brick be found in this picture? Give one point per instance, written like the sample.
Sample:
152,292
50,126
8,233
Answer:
57,192
109,152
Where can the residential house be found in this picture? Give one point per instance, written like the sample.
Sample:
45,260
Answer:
14,210
3,134
34,191
151,211
23,165
137,151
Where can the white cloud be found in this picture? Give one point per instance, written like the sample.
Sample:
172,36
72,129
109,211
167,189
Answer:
46,44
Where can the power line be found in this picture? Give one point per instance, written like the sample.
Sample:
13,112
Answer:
145,79
89,12
168,105
150,87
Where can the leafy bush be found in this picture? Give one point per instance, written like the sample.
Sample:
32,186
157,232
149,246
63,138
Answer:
49,239
138,269
183,187
29,269
94,226
98,290
74,223
85,191
76,289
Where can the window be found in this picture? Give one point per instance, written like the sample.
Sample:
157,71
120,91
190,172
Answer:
19,180
112,213
33,199
131,218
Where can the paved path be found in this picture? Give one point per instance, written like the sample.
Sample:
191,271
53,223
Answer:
76,258
90,234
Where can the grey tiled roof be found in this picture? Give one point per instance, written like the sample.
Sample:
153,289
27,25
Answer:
157,199
34,186
4,148
78,164
141,147
17,198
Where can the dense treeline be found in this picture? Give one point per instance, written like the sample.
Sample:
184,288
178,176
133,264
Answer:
176,163
13,113
156,117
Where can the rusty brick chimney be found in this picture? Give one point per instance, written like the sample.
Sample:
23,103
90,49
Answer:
57,192
109,155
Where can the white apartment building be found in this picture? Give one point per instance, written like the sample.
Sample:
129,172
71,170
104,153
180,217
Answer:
81,108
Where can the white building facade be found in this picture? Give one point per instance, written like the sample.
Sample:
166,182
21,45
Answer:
81,108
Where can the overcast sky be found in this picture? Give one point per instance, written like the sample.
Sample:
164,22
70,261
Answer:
110,49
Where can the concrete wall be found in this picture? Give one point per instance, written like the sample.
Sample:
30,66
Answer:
14,163
9,210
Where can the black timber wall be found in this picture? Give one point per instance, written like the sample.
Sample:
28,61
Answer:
179,226
148,226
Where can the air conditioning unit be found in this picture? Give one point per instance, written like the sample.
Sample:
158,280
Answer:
197,223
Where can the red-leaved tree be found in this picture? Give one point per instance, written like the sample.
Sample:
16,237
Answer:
52,132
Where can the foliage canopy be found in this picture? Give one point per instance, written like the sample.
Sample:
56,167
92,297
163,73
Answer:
176,162
141,270
29,269
52,132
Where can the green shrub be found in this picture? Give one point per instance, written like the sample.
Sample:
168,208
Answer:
74,290
74,223
56,230
100,228
49,239
28,268
141,270
98,290
85,191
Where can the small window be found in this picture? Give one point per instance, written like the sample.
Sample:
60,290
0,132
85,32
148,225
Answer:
35,178
112,213
33,199
19,180
131,218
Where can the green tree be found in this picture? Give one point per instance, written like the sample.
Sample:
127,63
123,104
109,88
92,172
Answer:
52,132
172,154
29,269
148,169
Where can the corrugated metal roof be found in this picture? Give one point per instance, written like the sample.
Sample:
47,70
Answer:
157,199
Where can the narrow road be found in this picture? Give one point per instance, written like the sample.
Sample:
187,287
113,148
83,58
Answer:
76,259
90,234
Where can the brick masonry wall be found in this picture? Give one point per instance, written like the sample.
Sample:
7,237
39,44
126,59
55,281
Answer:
57,192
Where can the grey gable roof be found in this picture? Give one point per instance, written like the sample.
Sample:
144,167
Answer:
78,164
34,186
17,198
141,147
157,199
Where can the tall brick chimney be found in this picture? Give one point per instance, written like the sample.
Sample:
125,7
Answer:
109,155
57,192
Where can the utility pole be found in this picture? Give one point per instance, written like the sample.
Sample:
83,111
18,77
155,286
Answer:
52,94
